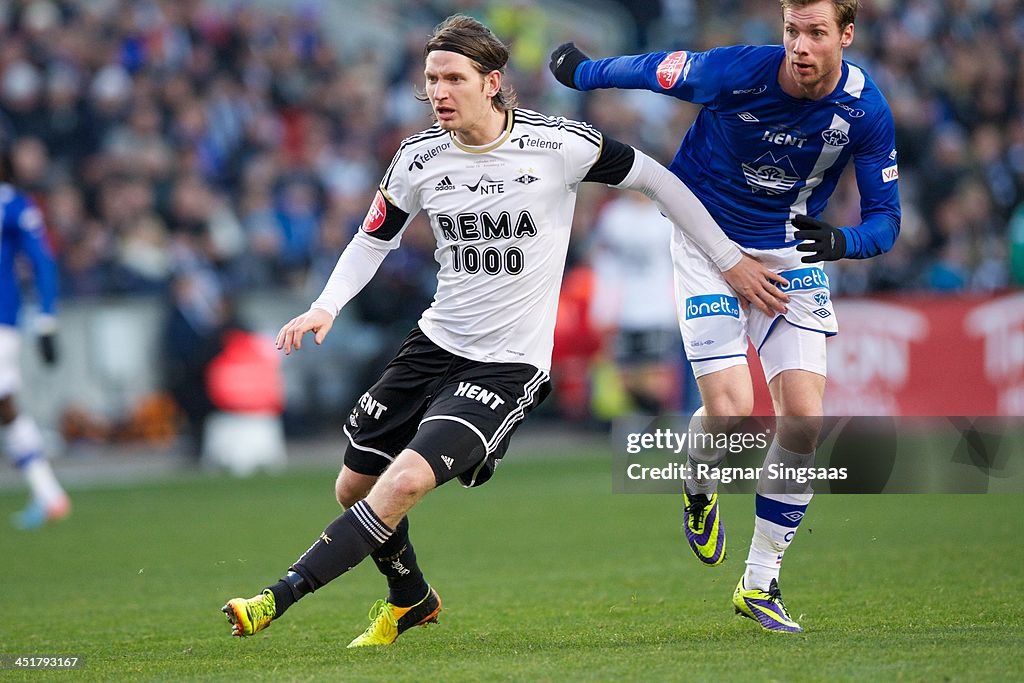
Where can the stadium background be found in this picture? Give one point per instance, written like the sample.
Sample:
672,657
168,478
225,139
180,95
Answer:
207,160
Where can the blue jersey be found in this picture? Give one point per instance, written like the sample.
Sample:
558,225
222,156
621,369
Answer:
22,232
756,156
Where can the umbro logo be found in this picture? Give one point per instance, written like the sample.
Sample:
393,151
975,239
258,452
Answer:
445,184
526,179
822,312
447,461
748,117
793,516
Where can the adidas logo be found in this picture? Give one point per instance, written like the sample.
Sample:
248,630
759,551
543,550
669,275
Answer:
445,184
447,461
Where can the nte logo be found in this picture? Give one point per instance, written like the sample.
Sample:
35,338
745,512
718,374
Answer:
712,304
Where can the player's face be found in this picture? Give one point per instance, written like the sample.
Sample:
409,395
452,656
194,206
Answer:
461,96
814,50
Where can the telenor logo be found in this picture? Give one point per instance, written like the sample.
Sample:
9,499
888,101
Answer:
670,68
375,216
805,278
712,304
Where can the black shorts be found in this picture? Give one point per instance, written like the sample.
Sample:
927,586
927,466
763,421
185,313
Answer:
459,414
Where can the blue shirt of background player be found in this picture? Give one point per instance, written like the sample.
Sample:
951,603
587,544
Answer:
756,156
22,232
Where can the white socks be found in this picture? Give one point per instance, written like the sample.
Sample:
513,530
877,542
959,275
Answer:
24,446
780,506
701,451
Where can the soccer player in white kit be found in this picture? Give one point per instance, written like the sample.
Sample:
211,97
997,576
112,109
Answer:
499,186
633,304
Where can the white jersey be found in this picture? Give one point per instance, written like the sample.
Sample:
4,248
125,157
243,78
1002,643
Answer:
501,215
633,267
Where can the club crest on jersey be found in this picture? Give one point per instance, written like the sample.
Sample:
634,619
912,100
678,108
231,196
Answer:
376,215
835,137
770,175
670,69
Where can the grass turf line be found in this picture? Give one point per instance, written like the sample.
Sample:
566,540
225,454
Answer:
545,575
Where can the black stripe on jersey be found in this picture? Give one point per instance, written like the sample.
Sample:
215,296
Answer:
434,131
582,130
614,164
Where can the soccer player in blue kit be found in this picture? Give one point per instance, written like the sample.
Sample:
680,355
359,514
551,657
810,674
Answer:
778,125
22,233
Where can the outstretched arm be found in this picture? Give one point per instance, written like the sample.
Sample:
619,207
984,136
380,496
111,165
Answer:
691,76
380,232
356,267
752,281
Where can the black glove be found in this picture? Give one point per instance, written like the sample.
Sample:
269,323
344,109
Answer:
48,348
564,61
827,243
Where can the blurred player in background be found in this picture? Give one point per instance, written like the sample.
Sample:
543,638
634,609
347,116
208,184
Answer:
23,239
498,184
632,303
778,125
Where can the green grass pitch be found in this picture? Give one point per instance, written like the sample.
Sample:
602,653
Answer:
544,574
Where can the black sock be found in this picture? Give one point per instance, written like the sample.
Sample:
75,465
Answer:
344,543
396,560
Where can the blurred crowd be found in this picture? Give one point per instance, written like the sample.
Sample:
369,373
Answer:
197,149
167,136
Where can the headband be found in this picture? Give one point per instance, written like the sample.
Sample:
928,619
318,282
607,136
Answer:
452,47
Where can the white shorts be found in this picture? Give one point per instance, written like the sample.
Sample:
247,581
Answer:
10,360
715,328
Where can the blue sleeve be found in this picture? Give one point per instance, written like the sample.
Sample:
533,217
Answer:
33,244
691,76
877,174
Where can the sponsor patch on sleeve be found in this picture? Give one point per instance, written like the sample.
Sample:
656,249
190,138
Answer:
670,69
377,213
890,174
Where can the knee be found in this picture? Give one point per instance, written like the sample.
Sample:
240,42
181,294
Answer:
408,483
348,492
344,495
799,429
729,404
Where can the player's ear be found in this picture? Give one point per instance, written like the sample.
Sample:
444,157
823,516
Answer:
492,83
847,39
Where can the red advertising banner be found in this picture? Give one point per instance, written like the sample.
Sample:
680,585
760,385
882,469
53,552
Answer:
925,356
